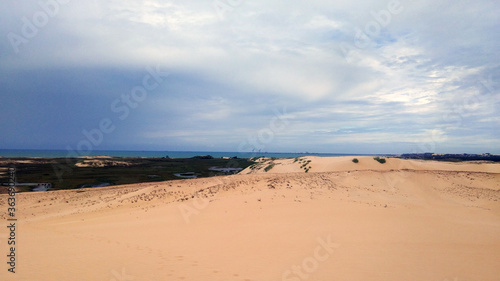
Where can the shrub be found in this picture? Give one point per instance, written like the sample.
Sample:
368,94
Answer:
355,160
269,167
380,160
203,157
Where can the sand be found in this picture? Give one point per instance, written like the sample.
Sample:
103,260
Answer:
402,220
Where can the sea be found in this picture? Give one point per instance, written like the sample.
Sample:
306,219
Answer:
171,154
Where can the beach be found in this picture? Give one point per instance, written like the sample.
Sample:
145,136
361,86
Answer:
339,220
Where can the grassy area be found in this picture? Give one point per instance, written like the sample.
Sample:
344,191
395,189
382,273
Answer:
138,170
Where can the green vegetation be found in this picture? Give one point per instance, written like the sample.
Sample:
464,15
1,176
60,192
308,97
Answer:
269,167
380,160
206,157
300,159
256,158
355,160
131,170
254,166
304,164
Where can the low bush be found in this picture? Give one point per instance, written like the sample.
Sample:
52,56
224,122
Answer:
269,167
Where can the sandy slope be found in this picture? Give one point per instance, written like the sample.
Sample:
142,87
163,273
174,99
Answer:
329,164
431,221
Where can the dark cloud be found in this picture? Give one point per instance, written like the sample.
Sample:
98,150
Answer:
349,76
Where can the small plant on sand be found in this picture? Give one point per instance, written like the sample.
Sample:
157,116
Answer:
254,159
355,160
269,167
380,160
256,166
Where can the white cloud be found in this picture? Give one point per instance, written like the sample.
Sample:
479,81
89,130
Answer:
425,63
322,22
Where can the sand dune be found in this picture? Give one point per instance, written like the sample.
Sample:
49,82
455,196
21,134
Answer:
330,164
402,220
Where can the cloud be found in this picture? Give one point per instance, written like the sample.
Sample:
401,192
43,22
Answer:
351,74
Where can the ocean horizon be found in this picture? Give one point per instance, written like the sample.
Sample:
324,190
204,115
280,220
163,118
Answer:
54,153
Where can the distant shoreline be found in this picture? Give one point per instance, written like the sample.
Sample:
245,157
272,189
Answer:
151,154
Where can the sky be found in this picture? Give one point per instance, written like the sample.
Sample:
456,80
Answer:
237,75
